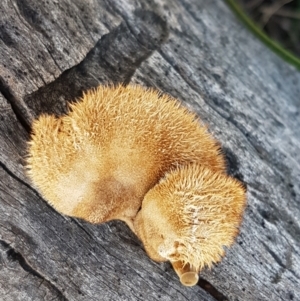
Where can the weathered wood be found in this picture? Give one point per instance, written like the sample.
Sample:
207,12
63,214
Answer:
247,96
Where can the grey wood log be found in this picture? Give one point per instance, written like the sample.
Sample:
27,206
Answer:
51,51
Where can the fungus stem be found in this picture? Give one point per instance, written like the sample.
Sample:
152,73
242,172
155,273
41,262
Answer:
187,274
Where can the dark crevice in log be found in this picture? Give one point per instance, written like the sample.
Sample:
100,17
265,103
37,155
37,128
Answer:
205,285
139,26
13,255
10,173
113,60
275,256
21,114
233,165
283,266
83,228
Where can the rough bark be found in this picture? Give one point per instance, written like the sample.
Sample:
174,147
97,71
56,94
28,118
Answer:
51,51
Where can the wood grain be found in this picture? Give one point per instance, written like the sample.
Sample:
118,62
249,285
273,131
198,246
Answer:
51,51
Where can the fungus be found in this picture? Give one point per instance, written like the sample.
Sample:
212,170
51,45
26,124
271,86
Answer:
124,149
189,217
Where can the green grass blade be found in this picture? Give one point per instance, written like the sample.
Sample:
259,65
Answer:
285,54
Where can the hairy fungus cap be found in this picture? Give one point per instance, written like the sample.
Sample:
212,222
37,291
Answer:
190,215
98,161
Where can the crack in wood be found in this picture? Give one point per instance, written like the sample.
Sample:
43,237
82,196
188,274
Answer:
10,173
210,289
14,255
20,112
113,60
233,165
283,266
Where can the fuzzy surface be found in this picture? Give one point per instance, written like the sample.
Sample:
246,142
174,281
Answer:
99,160
121,147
